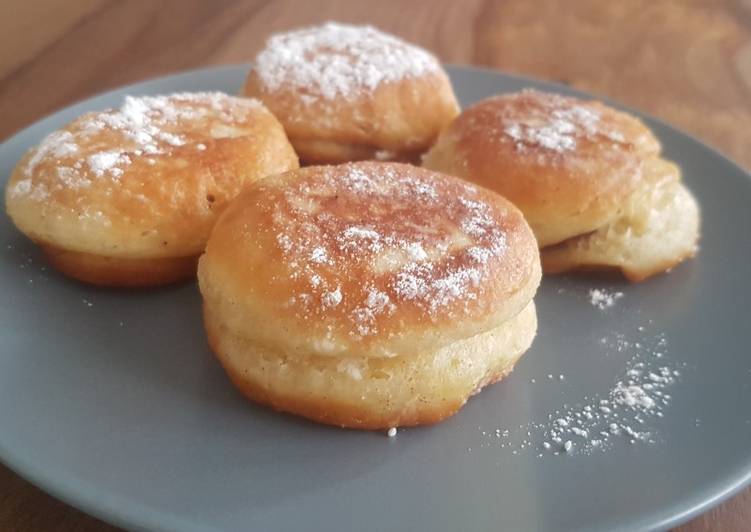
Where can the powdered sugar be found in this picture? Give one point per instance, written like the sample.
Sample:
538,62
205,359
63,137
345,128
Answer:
108,161
622,412
103,145
376,303
339,61
56,145
478,222
21,188
479,254
372,242
331,299
554,136
354,238
319,255
557,132
552,122
420,282
602,298
377,300
632,395
72,178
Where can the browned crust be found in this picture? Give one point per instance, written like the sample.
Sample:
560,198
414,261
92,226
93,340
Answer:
338,413
116,271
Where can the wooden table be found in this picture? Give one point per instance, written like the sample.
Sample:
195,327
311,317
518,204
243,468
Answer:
686,61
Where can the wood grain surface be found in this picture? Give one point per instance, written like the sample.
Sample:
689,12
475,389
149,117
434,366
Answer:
685,61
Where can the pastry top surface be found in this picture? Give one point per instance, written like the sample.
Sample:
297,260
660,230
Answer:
376,259
334,61
122,182
354,86
566,163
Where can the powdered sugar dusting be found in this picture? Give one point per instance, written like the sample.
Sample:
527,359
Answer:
103,145
364,317
552,123
331,299
624,410
416,252
339,61
374,229
319,255
638,393
21,188
354,238
555,132
603,299
633,395
108,161
56,145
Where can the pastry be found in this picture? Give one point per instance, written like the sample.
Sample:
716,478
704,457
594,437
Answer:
127,197
586,177
368,295
346,93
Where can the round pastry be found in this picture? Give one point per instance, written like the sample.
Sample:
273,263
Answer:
567,164
346,93
574,168
128,196
368,295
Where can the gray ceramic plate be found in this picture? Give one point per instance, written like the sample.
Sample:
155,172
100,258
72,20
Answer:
111,400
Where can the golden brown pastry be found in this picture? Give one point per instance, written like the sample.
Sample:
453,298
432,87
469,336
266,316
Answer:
127,197
368,295
347,93
589,179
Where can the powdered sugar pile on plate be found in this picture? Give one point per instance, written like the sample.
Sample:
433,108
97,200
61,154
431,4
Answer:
602,298
639,394
620,413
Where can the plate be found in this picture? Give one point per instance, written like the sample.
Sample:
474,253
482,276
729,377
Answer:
111,400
